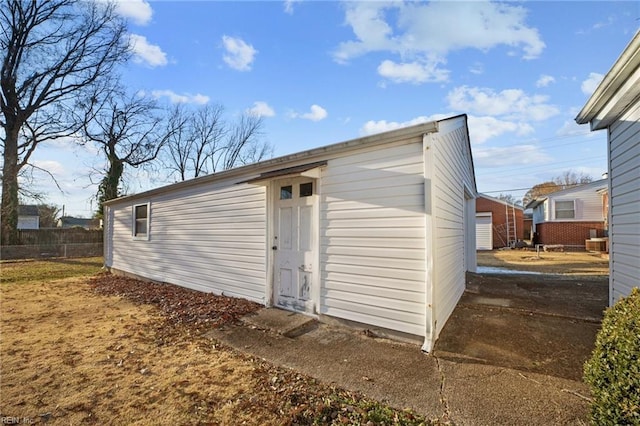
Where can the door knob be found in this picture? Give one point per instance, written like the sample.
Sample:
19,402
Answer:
274,248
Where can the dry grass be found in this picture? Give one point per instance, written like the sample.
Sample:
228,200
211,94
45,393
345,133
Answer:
72,356
48,269
573,263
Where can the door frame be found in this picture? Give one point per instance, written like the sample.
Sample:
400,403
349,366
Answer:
272,189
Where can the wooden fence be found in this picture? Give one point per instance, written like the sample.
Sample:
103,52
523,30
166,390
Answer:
54,242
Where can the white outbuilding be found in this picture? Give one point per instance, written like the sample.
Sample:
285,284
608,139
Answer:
377,232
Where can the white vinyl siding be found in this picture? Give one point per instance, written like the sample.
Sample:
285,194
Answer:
484,231
28,222
452,171
376,264
208,237
624,226
372,238
585,199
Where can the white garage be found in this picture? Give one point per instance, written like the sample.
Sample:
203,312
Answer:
484,232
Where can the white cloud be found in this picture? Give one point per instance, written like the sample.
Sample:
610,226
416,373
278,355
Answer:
484,128
602,24
545,80
288,6
476,68
65,143
261,109
239,54
428,32
146,53
509,156
175,98
372,127
316,113
139,11
571,128
481,129
590,84
511,104
412,72
54,167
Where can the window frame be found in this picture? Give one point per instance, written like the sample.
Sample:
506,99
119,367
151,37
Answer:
310,194
573,209
134,222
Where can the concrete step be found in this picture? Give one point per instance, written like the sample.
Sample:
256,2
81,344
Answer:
287,323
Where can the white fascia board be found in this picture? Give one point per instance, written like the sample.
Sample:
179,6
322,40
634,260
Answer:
622,70
254,170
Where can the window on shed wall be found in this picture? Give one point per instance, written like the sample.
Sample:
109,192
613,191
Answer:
141,221
565,210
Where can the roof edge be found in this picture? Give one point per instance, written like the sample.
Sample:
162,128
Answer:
624,66
498,200
371,140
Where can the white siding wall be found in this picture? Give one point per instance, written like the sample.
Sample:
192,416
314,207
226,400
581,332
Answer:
538,214
28,222
209,237
372,229
588,203
452,170
624,226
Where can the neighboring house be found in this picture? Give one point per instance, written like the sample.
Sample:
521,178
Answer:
615,106
498,223
570,216
28,217
77,222
378,231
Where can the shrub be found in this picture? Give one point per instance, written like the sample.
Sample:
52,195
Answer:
613,371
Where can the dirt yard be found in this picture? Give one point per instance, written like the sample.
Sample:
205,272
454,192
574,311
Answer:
71,355
572,263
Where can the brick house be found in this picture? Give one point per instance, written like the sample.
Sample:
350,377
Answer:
498,223
571,216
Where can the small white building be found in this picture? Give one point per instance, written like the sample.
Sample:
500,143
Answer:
615,106
28,217
377,231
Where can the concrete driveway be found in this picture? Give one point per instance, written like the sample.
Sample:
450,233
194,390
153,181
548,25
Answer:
511,353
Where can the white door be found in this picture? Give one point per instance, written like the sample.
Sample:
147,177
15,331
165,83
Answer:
484,231
294,244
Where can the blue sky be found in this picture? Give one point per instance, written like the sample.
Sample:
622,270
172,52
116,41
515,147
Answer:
321,72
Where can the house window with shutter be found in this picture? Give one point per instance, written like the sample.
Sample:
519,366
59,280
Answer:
565,209
141,221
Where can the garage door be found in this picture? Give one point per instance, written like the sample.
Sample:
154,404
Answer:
484,234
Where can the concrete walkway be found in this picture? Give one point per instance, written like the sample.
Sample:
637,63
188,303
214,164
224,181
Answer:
493,364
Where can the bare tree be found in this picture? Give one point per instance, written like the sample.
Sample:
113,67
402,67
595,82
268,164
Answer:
48,215
243,134
195,145
540,190
205,143
570,178
508,198
52,52
130,132
567,179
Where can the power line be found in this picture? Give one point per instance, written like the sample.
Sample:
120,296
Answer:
541,166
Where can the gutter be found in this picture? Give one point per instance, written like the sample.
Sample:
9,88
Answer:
624,66
275,163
